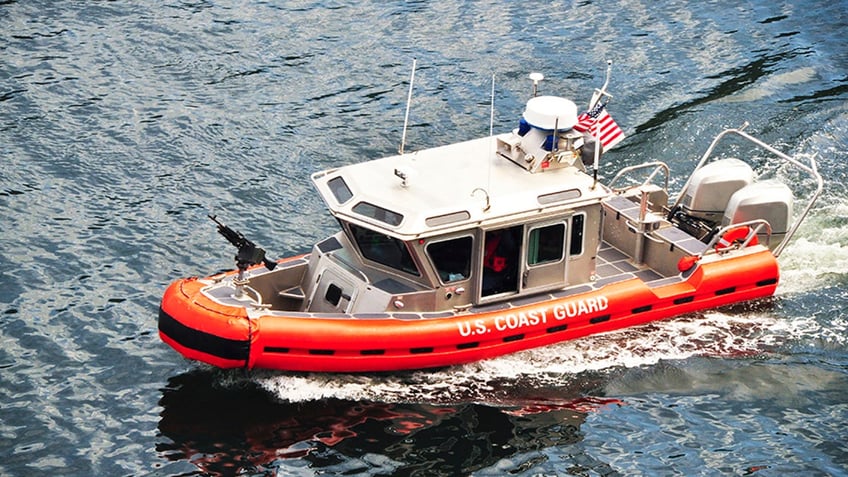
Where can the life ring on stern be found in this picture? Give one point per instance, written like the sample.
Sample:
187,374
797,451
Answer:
733,236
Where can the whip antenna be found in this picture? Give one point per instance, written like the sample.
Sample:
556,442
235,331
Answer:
492,109
408,102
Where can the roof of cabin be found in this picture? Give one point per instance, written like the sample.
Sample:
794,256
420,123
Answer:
442,189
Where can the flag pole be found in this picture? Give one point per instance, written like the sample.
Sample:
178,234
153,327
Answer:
597,154
597,96
600,93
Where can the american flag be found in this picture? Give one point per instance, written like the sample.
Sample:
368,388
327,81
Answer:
608,131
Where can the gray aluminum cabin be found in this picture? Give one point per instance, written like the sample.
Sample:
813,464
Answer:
461,225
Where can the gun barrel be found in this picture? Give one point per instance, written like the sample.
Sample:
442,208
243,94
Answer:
233,236
215,219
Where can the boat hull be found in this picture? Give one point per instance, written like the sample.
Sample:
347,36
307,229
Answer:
231,337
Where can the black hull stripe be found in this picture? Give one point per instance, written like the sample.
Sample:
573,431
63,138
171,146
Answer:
197,340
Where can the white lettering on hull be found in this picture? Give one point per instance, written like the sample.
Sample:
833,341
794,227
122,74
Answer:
533,317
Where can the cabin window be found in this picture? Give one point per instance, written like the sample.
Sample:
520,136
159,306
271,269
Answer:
333,295
378,213
340,190
577,228
452,258
545,244
383,249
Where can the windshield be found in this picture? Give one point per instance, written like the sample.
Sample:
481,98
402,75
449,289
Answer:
383,249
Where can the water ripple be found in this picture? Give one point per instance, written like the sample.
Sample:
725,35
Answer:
122,124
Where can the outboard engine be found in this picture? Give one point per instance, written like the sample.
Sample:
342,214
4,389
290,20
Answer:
705,198
767,200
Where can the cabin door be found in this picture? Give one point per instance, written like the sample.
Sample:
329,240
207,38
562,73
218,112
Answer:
545,260
527,258
501,261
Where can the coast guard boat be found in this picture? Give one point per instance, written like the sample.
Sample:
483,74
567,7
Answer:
499,244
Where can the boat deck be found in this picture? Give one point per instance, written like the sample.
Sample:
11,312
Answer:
614,265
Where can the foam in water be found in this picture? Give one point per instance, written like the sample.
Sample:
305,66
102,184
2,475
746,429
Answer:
712,334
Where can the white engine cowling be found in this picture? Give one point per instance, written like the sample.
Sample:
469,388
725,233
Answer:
767,200
710,188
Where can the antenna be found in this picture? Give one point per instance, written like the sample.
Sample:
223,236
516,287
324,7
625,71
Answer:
536,77
600,93
555,137
408,102
492,110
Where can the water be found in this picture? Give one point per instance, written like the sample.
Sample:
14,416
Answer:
122,124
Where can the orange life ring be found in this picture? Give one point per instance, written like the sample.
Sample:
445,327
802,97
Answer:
733,236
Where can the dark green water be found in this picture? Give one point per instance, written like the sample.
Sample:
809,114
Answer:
122,124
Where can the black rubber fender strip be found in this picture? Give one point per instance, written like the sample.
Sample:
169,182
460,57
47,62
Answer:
224,348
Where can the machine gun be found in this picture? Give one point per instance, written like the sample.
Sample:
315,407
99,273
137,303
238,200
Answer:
248,253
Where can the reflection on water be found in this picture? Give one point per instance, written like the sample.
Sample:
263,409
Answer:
236,427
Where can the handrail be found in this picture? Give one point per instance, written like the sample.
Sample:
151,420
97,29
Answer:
754,225
811,169
658,165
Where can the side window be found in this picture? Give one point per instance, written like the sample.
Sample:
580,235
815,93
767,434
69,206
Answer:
340,190
452,258
577,227
545,244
